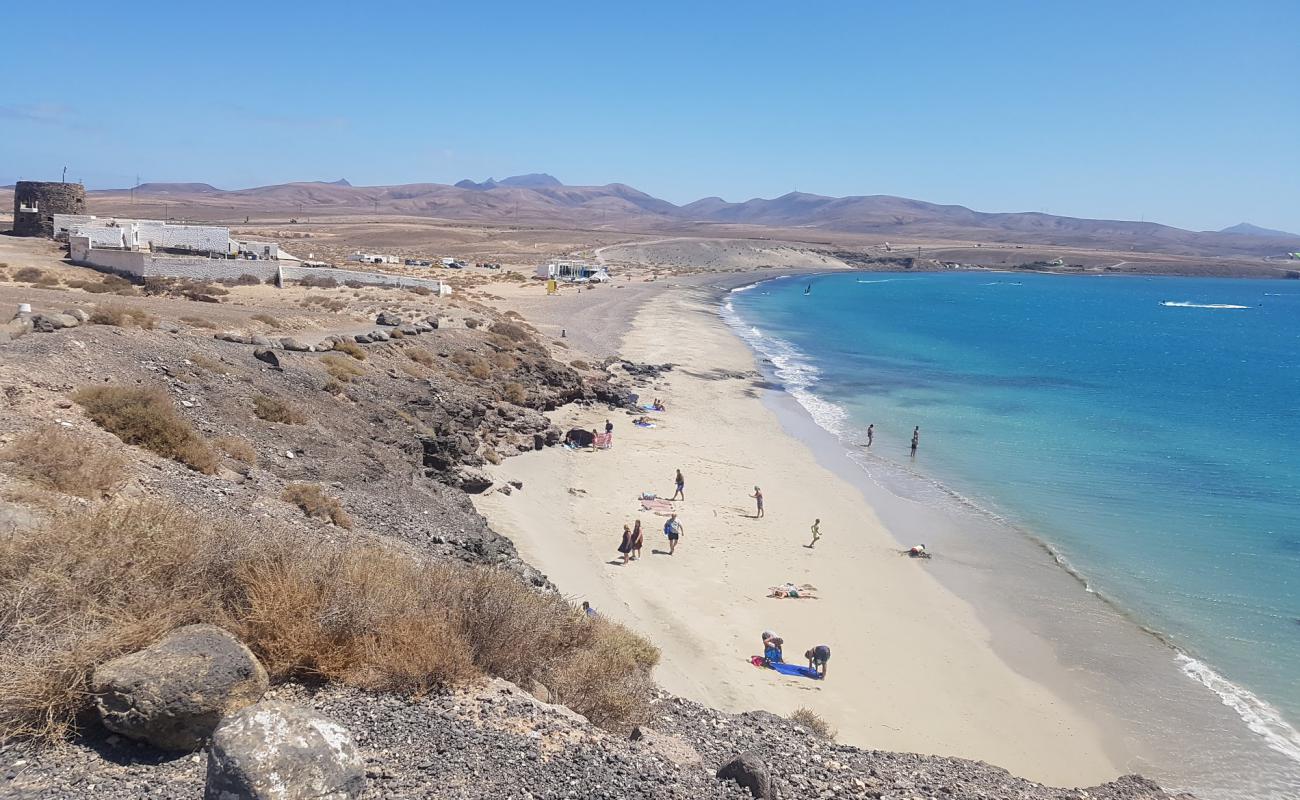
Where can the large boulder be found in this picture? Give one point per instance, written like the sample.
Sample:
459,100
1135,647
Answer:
267,356
278,751
751,773
173,693
473,481
292,344
390,318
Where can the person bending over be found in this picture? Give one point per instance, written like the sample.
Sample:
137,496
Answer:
818,657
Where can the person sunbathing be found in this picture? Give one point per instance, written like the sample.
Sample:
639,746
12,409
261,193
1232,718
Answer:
918,551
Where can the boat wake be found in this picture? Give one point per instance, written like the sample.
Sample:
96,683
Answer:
1185,304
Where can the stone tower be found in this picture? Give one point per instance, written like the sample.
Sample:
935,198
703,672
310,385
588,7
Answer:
36,203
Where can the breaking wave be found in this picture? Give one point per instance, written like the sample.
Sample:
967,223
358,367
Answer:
1258,715
1185,304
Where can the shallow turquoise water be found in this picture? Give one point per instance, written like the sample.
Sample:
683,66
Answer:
1153,442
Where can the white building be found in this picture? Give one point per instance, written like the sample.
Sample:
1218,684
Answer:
373,258
572,271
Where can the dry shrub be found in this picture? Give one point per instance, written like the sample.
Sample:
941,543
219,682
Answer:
209,364
395,334
504,361
481,370
315,503
29,275
412,370
511,331
351,348
120,317
473,363
319,282
146,418
515,393
199,322
578,363
267,319
812,721
273,409
54,458
334,387
423,291
422,357
341,368
247,280
512,314
237,448
472,323
91,584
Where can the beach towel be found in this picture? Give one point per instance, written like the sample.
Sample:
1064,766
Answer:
786,669
604,441
657,505
641,424
649,407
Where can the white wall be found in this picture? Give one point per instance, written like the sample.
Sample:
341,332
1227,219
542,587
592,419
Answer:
293,273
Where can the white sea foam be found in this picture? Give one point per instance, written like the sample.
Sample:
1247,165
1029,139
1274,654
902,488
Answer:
1258,715
881,280
1185,304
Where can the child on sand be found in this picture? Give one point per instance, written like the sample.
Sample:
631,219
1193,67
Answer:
637,540
816,532
681,487
758,499
625,547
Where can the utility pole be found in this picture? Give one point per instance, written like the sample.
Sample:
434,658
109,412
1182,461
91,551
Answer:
65,175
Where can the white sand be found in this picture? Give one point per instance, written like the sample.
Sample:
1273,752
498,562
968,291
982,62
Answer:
912,669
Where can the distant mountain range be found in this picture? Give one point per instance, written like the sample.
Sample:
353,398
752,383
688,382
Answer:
540,199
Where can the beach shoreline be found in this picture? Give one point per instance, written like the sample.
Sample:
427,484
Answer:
915,668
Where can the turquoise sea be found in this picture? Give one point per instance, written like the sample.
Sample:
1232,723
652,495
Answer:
1145,431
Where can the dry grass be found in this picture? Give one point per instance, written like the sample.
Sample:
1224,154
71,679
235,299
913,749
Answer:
146,418
515,393
504,361
237,448
315,503
578,363
54,458
273,409
351,348
29,275
511,331
341,368
209,364
89,585
199,322
812,721
121,317
268,320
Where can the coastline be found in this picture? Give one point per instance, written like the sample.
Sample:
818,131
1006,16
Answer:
915,668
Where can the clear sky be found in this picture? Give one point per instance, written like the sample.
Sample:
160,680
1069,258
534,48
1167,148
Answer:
1182,112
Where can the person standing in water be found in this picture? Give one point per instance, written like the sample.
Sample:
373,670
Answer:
871,433
681,487
758,500
916,439
816,532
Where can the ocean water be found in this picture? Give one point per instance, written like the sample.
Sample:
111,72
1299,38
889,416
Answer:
1146,431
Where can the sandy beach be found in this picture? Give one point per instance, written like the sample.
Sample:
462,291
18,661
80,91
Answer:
912,667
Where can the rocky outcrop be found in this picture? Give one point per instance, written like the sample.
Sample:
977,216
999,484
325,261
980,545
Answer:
267,356
673,748
278,751
173,693
749,771
389,318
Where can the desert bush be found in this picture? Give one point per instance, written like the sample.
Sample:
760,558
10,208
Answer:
515,393
315,503
512,314
411,369
423,291
54,458
341,368
267,319
395,334
120,317
812,721
199,322
480,370
237,448
29,275
419,356
209,364
351,348
319,282
247,280
503,361
273,409
472,323
334,387
578,363
511,331
146,418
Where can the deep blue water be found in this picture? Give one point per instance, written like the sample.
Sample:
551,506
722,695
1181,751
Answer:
1155,447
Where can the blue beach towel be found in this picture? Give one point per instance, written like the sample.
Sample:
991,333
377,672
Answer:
796,669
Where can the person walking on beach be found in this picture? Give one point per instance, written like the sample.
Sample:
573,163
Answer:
871,433
625,547
816,532
758,500
673,530
638,540
916,439
681,487
609,426
817,658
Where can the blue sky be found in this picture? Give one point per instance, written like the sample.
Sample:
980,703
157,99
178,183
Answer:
1180,112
